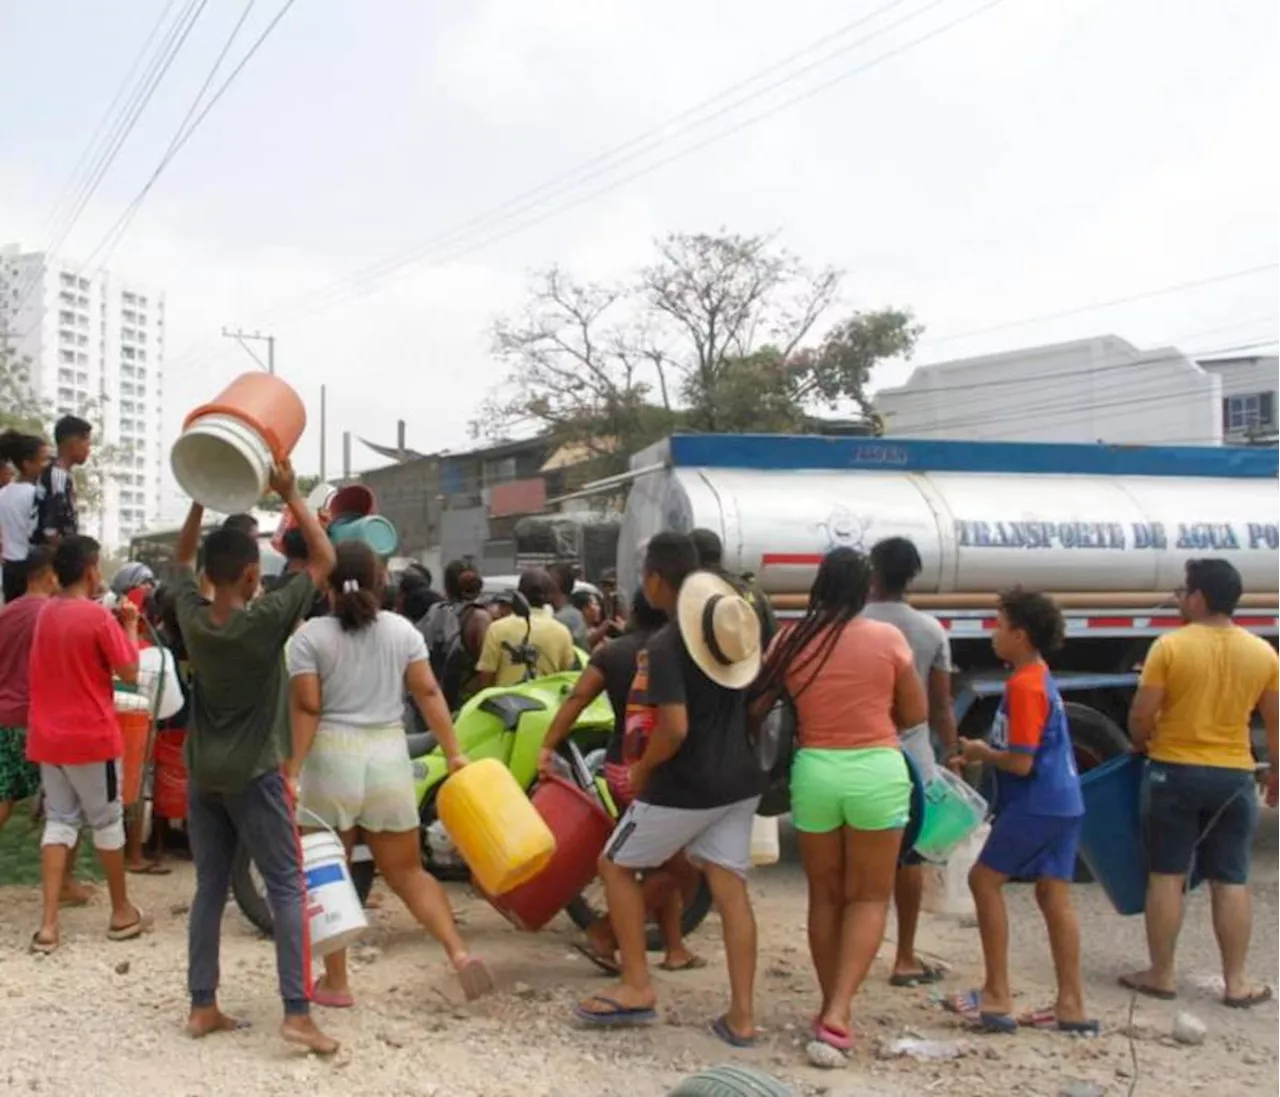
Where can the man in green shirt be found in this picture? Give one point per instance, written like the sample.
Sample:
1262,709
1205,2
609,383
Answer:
237,742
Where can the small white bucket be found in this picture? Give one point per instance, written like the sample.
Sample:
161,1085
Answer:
222,463
334,914
764,840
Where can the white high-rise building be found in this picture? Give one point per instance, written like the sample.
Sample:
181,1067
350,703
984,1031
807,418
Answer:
95,343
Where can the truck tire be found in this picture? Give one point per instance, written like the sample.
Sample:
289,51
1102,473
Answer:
731,1081
1096,737
246,887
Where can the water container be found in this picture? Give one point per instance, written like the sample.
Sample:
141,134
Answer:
581,827
133,714
224,454
946,887
355,500
499,834
374,530
953,811
317,503
1111,844
170,795
764,840
335,916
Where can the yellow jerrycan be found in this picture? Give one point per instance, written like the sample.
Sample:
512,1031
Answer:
498,832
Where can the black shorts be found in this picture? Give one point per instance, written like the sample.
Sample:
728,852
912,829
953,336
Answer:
1205,812
15,580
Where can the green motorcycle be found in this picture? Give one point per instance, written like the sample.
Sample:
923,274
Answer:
508,723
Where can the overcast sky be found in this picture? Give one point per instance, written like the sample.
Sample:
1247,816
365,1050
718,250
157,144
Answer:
1040,156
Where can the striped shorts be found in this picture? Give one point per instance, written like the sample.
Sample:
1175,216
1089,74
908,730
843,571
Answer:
359,777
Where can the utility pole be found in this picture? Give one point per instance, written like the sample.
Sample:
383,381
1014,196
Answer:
323,431
242,337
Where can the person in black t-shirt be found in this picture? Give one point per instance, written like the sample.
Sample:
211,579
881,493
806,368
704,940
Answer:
611,670
697,784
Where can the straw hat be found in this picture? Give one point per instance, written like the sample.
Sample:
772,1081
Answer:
720,629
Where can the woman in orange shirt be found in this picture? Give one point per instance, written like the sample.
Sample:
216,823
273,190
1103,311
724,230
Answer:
854,686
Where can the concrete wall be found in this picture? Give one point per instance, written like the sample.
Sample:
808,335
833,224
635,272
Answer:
1092,390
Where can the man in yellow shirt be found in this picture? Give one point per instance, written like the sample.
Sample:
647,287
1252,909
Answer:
550,644
1199,689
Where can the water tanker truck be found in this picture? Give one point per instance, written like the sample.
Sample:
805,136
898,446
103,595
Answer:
1105,530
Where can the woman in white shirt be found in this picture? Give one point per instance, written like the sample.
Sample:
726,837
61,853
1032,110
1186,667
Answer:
348,673
18,507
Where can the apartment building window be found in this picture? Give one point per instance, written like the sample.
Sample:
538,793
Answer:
129,316
82,340
128,333
66,375
67,356
142,356
65,317
127,352
81,359
142,337
66,394
1249,411
65,336
68,279
67,298
83,302
142,302
129,298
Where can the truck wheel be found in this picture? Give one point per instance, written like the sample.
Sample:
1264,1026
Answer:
1096,739
585,914
731,1081
251,895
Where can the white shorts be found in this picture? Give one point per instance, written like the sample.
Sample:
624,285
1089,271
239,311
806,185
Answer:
648,836
359,777
78,795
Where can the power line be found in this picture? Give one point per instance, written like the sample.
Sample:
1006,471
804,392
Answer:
358,284
137,103
184,131
1162,291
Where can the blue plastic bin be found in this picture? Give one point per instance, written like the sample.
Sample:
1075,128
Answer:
1111,844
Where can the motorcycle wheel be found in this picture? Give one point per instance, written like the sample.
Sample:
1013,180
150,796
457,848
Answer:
584,913
426,817
251,896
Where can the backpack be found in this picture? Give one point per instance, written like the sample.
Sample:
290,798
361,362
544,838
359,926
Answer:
440,628
459,665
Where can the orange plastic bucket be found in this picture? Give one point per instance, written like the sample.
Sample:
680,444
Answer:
263,402
135,728
169,797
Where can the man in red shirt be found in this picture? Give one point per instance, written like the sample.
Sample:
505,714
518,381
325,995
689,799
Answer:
73,734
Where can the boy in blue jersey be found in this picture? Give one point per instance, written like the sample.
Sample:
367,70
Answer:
1039,810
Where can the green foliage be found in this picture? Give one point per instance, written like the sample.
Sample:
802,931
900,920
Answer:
717,335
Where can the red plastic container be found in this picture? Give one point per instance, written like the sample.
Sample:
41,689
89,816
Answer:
581,827
355,500
169,794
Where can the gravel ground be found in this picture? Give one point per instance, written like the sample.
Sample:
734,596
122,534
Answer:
104,1019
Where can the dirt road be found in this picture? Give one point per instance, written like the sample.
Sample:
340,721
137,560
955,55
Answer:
103,1019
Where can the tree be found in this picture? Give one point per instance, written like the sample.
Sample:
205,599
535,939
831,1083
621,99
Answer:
22,409
716,335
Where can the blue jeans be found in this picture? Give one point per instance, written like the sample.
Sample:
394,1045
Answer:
261,816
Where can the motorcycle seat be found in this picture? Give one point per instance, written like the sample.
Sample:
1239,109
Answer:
509,707
421,743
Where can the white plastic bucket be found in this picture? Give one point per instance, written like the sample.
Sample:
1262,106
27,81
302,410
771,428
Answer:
334,914
222,463
764,840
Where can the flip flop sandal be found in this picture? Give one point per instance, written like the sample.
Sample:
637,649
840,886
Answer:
1045,1020
993,1024
1264,994
964,1003
151,868
606,964
832,1037
132,931
617,1016
1129,983
720,1028
926,976
475,978
43,948
694,963
329,999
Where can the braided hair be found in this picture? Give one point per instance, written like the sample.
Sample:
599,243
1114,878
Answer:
837,596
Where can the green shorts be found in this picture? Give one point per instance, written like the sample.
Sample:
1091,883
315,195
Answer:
866,789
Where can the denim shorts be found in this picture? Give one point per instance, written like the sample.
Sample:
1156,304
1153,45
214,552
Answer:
1208,813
